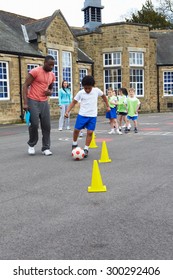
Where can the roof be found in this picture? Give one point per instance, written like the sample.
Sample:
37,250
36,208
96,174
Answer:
13,42
83,57
164,46
12,37
40,25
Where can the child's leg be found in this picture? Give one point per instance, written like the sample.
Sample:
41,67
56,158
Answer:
90,126
112,124
120,121
75,137
127,125
75,134
116,125
81,133
135,126
135,123
88,138
87,142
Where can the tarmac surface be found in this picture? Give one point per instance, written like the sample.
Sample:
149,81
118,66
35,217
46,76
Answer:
47,213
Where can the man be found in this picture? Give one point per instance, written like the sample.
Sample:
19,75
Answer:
36,89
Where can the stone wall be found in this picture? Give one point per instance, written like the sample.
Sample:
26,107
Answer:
110,37
125,38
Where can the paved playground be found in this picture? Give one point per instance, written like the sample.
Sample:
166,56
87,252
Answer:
48,213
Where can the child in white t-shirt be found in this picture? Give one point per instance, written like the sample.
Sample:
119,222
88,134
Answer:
87,116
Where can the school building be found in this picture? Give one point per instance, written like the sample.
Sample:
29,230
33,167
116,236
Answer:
117,54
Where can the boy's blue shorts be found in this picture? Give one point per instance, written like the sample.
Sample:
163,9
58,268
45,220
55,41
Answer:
85,122
112,114
132,118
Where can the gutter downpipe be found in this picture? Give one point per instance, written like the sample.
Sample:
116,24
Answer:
20,92
158,96
92,67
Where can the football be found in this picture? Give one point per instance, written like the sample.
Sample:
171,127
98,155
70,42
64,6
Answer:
77,153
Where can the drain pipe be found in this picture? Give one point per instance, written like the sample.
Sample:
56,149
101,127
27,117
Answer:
158,97
20,93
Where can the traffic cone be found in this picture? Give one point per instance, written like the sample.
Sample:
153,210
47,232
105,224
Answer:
93,142
104,153
96,181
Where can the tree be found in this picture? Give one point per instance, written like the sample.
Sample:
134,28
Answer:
166,8
148,15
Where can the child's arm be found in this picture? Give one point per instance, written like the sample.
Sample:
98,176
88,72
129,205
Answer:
106,102
114,102
72,104
138,106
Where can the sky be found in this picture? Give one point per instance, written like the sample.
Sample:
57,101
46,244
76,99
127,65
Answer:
114,10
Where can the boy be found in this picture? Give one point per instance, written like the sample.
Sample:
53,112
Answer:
122,109
87,116
133,105
112,114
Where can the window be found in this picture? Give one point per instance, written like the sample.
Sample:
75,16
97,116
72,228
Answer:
54,53
82,73
4,81
136,62
137,80
136,59
168,83
112,70
112,59
67,67
112,78
86,16
95,14
92,14
31,66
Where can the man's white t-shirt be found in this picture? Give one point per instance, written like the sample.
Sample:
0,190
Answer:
88,102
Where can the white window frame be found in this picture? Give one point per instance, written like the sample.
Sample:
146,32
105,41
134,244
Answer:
136,59
82,73
112,58
56,87
112,65
112,82
136,63
31,66
136,83
5,81
168,84
67,63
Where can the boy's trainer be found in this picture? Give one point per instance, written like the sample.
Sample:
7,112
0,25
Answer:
74,146
85,153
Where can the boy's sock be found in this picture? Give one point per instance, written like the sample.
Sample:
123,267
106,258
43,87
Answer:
74,143
86,147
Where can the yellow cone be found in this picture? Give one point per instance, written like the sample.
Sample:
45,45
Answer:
96,181
93,142
104,153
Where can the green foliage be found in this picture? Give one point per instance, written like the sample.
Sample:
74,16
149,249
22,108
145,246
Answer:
148,15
